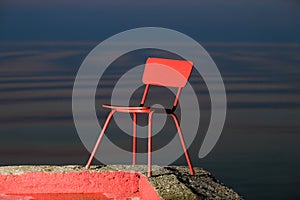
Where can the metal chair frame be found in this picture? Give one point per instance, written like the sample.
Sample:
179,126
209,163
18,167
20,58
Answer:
151,80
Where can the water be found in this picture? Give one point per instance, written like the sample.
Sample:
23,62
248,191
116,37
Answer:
257,154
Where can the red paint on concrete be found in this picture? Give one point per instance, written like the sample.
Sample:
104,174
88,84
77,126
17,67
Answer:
147,190
95,196
113,184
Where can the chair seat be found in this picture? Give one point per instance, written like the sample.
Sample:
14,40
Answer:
131,109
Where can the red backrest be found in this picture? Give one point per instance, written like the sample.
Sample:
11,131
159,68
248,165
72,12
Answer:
167,72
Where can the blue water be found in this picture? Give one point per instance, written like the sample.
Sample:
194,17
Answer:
257,154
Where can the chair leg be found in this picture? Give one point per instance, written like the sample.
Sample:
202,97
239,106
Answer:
134,141
183,144
150,144
99,139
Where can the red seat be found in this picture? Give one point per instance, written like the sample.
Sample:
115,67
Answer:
128,109
158,72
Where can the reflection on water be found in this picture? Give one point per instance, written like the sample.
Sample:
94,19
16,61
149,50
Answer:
258,152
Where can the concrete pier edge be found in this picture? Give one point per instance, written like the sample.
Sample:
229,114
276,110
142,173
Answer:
169,182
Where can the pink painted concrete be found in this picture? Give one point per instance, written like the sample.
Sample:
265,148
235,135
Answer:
117,185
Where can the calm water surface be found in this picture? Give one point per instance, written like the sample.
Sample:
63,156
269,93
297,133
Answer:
257,154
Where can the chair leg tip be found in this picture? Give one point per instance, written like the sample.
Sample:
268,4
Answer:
192,172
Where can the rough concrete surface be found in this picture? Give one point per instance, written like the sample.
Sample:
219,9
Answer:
171,182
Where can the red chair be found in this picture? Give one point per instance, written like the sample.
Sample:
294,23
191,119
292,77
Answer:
158,72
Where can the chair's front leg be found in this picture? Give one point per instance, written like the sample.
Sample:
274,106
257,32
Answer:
150,144
186,153
100,138
134,141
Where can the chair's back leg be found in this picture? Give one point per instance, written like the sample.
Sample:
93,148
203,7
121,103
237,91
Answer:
100,138
150,143
183,144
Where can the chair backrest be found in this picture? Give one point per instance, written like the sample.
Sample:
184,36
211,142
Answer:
168,73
